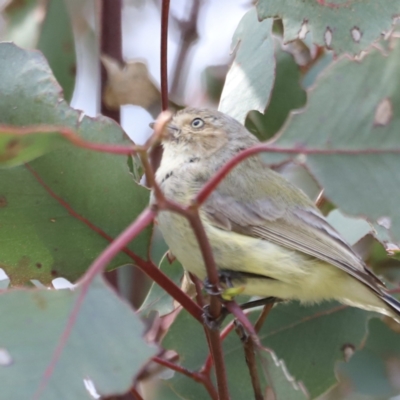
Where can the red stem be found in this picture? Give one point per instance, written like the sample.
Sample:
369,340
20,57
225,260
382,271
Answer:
146,266
136,395
121,241
110,44
164,54
209,361
196,376
235,310
260,148
215,306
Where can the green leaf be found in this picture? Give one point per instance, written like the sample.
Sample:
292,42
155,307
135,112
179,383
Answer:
186,337
308,339
283,385
355,108
56,41
341,25
286,96
57,213
158,299
18,146
251,77
105,345
372,369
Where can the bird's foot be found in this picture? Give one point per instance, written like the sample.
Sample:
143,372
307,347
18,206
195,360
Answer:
214,323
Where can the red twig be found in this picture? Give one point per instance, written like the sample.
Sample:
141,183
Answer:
209,361
75,139
143,220
69,135
164,53
95,269
110,44
263,316
189,35
270,148
196,376
146,266
235,309
136,395
249,351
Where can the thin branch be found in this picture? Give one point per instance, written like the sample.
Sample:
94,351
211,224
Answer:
121,241
189,36
269,148
196,376
249,351
235,309
263,316
209,361
215,306
197,284
164,53
77,140
171,288
110,45
136,395
212,271
96,268
219,363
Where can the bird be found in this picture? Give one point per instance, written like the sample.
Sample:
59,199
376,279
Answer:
267,237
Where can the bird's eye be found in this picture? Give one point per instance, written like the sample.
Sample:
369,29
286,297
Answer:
197,123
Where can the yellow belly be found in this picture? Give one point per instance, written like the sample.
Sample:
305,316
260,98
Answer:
293,275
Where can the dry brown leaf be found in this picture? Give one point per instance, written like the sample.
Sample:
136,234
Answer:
130,84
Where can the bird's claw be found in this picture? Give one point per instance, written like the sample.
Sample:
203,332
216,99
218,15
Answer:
214,323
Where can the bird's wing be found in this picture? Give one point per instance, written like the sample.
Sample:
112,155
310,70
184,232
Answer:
302,228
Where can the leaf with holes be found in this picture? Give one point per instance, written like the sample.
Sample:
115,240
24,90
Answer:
345,26
315,335
105,345
61,210
180,338
373,369
349,131
251,77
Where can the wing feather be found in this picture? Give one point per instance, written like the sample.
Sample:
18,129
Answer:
303,229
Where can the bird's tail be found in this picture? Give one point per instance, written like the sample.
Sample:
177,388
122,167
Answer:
393,304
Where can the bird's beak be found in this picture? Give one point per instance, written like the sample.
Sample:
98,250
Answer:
170,132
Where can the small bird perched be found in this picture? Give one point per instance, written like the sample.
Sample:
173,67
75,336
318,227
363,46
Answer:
266,235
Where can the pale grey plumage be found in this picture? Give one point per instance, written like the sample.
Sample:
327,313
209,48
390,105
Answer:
257,222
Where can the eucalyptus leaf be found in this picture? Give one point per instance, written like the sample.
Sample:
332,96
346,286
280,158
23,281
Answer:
341,25
105,345
251,77
60,211
350,130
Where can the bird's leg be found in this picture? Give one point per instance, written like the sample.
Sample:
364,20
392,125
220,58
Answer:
225,278
212,323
